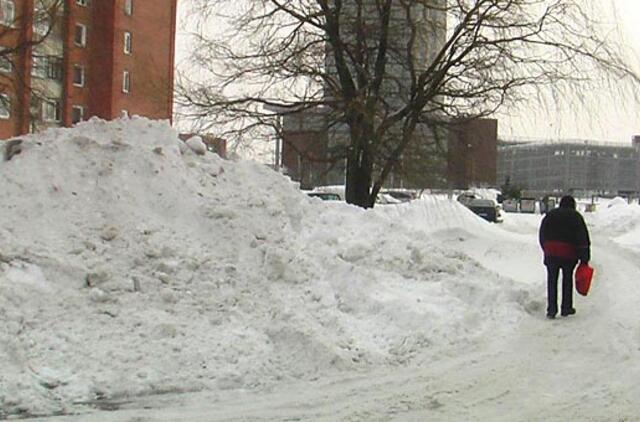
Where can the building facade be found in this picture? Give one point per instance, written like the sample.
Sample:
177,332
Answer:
302,151
416,33
310,142
70,60
472,154
579,167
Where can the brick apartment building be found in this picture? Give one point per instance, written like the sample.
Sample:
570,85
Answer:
104,58
310,143
472,154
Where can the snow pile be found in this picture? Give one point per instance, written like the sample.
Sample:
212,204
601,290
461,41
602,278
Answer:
487,193
131,263
618,220
434,213
616,202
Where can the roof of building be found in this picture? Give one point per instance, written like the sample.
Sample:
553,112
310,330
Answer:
554,143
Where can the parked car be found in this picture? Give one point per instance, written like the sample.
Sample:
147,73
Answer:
402,195
325,196
387,199
337,190
485,208
466,197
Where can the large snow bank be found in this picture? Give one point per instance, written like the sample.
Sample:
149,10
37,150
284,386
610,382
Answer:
618,220
131,265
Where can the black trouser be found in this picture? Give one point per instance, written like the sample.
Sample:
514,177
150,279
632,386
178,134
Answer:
553,269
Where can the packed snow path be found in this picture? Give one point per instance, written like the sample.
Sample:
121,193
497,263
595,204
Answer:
582,367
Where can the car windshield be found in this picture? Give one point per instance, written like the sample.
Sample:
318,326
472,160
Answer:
400,195
482,203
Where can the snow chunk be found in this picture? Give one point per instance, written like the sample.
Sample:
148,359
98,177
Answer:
197,145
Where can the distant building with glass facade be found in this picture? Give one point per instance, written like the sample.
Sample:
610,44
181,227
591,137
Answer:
571,166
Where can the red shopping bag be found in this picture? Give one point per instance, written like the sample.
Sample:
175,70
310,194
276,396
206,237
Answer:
584,275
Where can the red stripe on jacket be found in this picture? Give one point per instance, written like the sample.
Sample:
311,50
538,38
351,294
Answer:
559,249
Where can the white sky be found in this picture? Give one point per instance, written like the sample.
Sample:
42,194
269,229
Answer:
607,119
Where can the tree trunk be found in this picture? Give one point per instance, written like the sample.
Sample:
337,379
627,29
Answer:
359,176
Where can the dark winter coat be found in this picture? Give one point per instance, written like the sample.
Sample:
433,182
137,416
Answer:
564,237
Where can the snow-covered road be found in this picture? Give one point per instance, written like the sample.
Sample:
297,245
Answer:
583,367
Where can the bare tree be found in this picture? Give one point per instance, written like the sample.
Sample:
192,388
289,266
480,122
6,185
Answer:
390,74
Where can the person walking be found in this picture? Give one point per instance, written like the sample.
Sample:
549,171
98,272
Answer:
564,239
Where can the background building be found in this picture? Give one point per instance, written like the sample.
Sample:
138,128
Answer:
472,154
425,31
104,58
579,167
310,140
303,150
469,159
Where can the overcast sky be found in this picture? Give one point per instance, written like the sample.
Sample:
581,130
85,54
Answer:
611,119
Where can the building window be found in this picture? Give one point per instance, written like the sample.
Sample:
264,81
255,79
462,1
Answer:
42,24
8,10
39,66
126,82
78,75
80,37
47,67
128,7
82,3
51,111
5,64
5,106
127,42
77,114
54,68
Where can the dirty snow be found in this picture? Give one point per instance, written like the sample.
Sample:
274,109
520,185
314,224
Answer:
132,265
